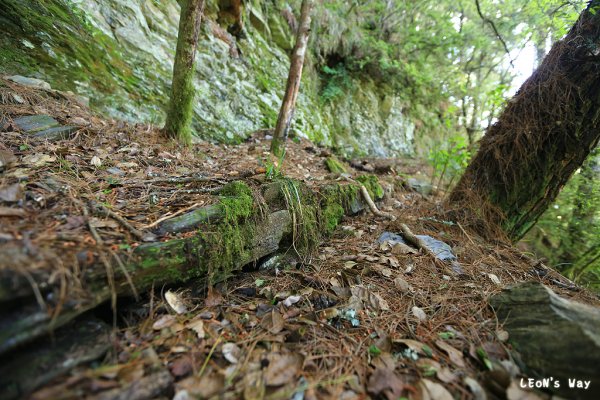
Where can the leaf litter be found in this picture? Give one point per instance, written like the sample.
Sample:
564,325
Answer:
360,330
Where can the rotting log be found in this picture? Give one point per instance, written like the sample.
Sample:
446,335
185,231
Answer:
552,336
210,253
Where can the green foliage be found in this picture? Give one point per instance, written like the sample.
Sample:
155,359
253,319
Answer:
273,169
568,233
449,160
336,81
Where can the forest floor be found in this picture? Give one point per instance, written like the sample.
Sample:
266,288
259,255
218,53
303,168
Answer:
359,318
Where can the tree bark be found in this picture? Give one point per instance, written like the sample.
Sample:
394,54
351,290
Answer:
286,113
544,134
181,106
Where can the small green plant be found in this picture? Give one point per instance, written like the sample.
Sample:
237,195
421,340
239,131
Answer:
374,350
449,161
273,169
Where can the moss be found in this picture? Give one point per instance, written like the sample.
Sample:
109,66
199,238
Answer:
236,201
227,245
334,165
371,183
332,215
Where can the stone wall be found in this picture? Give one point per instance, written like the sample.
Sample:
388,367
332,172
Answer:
119,54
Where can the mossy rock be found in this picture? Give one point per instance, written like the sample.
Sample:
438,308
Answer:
371,183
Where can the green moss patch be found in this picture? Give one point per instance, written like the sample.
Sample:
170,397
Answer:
334,165
371,183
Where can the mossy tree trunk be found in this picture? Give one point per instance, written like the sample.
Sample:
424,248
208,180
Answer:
181,106
286,113
545,133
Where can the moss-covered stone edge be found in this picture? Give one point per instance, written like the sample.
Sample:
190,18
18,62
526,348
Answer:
217,250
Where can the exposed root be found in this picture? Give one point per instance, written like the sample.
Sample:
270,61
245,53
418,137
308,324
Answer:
370,201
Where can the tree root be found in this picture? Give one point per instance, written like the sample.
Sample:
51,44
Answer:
370,201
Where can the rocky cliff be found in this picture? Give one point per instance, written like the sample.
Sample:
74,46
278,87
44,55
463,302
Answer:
119,54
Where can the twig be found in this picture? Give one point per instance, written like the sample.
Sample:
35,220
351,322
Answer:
491,23
176,179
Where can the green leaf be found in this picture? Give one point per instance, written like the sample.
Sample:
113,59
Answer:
427,350
374,350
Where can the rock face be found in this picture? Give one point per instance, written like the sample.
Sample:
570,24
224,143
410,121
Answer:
119,53
554,337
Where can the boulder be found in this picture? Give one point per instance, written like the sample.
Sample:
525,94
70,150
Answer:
553,337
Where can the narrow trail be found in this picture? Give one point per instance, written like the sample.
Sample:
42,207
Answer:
362,315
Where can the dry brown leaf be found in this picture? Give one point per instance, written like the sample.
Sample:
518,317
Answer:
197,326
283,367
163,322
176,302
433,391
456,357
386,382
213,298
273,322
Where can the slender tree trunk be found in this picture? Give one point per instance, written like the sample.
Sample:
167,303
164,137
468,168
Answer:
181,106
545,133
286,113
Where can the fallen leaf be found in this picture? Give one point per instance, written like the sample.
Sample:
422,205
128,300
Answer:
401,248
419,313
495,279
282,368
181,366
163,322
402,285
291,300
213,298
433,391
231,352
37,160
96,162
385,381
204,387
475,388
456,357
502,335
414,345
273,322
197,326
175,302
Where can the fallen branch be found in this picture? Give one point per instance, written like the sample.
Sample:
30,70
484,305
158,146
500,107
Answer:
414,240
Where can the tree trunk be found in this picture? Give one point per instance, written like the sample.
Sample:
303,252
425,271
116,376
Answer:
545,133
286,113
181,106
